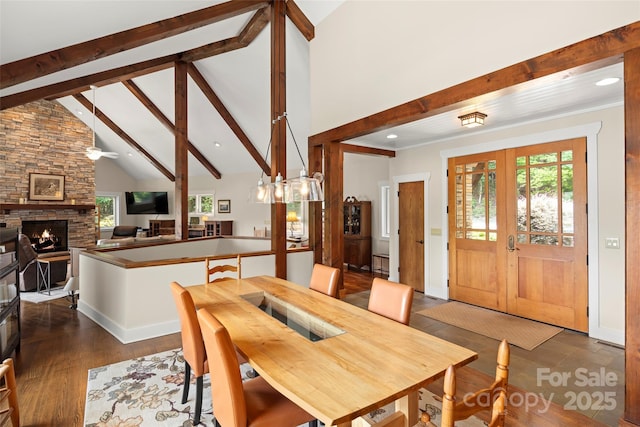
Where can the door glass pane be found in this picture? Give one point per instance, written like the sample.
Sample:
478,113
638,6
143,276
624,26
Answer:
459,203
538,159
566,156
522,238
474,167
521,189
478,201
476,207
493,221
567,198
521,161
543,197
567,241
542,239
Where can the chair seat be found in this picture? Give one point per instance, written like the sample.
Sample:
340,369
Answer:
267,408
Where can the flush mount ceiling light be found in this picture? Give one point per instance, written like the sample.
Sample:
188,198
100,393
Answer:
472,120
392,136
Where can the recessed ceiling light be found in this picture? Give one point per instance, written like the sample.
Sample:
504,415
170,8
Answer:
392,136
79,112
608,81
130,154
217,144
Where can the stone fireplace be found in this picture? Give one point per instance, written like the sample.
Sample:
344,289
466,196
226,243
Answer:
44,137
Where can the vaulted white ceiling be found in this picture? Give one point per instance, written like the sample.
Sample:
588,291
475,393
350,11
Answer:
241,79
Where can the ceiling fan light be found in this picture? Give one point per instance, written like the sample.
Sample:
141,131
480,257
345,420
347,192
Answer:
94,154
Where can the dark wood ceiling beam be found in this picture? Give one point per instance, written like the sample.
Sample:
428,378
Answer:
70,87
217,103
153,109
257,23
580,57
300,20
122,134
351,148
46,63
74,86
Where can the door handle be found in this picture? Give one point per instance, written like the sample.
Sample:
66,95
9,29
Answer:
511,243
420,241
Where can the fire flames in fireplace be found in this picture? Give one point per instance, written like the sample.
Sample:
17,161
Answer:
46,235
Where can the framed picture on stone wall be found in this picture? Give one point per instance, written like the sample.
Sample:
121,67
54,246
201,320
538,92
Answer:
46,187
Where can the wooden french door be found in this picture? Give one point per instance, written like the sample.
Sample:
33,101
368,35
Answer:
518,232
411,238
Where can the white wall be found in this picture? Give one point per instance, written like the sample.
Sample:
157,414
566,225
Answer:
363,175
407,49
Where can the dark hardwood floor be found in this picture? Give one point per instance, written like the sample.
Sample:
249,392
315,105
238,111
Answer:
60,345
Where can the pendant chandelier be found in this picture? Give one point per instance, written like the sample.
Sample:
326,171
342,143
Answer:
299,189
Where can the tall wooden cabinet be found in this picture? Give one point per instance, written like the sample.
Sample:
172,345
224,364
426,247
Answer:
9,292
357,233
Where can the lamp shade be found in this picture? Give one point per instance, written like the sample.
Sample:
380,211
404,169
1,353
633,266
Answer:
303,189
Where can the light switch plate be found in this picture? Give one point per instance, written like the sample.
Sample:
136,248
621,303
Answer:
612,243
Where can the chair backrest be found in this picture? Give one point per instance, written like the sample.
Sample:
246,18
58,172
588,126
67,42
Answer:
26,253
325,279
493,398
391,299
122,231
219,269
9,393
227,392
192,342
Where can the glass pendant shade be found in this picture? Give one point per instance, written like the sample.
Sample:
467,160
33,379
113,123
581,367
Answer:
302,189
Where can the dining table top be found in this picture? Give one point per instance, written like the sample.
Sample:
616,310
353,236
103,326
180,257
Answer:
369,362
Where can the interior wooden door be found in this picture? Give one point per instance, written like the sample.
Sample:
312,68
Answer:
477,262
547,233
411,238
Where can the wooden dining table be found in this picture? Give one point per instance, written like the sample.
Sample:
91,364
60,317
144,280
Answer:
353,361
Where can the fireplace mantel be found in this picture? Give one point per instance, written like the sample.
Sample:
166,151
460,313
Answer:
8,207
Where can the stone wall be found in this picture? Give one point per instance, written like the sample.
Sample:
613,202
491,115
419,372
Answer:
44,137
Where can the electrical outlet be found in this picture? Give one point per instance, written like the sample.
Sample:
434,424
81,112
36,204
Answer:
612,243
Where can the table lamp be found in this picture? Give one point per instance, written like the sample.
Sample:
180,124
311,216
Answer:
291,218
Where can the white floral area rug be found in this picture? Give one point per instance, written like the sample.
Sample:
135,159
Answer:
147,391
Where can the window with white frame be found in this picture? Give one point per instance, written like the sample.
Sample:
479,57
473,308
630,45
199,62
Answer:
108,205
385,214
200,203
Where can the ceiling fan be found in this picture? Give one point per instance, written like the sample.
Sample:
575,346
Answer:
93,152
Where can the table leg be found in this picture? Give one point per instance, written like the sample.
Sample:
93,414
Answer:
408,405
43,276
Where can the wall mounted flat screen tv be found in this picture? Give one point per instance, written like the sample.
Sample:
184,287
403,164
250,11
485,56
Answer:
147,202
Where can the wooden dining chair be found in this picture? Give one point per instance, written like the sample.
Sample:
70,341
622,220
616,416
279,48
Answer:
220,269
492,398
325,279
391,299
242,404
195,356
8,395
